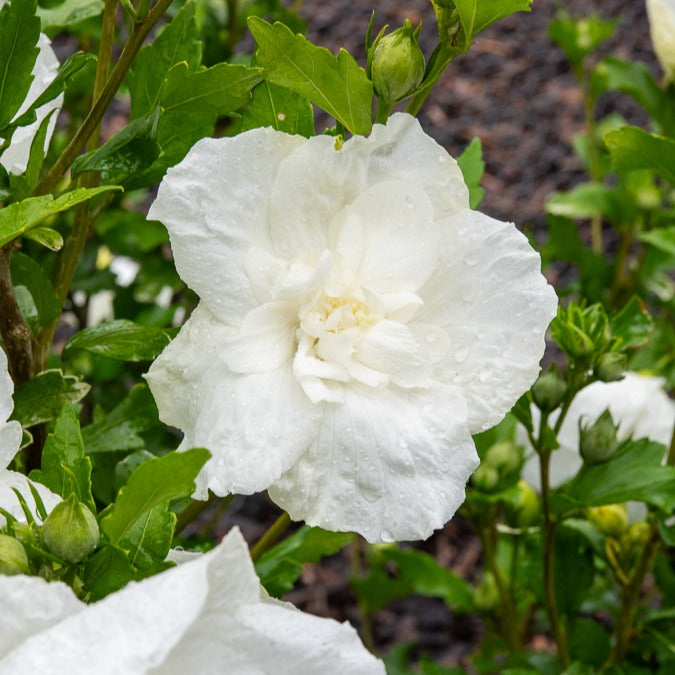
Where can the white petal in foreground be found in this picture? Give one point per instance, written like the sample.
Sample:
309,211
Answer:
205,616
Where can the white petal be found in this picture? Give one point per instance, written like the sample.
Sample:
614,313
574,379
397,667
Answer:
28,606
15,158
255,425
493,302
391,469
6,391
316,182
215,206
10,502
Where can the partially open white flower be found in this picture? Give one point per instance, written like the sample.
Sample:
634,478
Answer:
15,157
204,616
357,323
661,14
10,441
637,403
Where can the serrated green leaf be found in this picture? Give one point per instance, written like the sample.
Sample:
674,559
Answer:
632,148
472,165
148,541
663,239
47,237
337,85
19,33
65,469
279,108
281,567
16,219
633,324
26,272
177,41
68,13
121,340
477,15
42,398
119,431
154,482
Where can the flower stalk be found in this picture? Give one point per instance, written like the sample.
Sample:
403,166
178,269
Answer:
271,537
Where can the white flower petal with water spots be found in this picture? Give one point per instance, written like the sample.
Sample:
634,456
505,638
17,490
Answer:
358,323
637,403
205,616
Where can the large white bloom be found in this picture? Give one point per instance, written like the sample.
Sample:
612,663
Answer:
10,440
357,323
637,403
15,157
205,616
661,14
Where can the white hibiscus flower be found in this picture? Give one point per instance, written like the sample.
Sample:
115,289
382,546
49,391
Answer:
205,616
10,441
637,403
358,322
15,157
661,14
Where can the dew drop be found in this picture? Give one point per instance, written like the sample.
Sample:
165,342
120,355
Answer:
432,337
461,355
483,376
402,443
471,259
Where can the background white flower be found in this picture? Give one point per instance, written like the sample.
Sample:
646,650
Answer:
661,14
10,441
15,157
637,403
205,616
357,322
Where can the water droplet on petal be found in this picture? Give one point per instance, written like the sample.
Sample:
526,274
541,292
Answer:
471,259
461,355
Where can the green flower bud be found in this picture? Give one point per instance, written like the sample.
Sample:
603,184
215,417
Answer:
71,531
486,596
611,366
485,478
598,441
636,537
525,510
504,456
548,390
13,558
397,66
611,520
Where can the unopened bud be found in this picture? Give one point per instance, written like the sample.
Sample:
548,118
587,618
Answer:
486,595
485,478
397,67
504,456
71,531
548,391
611,366
611,520
636,537
13,558
598,441
525,510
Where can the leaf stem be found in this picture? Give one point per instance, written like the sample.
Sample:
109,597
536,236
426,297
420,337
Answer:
271,537
356,563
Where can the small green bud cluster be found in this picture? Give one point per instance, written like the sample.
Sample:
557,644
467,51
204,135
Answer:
396,63
584,334
549,390
611,519
500,467
71,531
598,441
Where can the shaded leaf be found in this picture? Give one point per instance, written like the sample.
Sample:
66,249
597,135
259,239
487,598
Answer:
26,272
68,13
632,148
663,239
477,15
47,237
148,541
633,324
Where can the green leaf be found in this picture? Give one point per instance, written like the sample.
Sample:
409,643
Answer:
119,431
16,219
129,233
579,37
337,85
68,13
472,165
281,567
42,398
154,482
107,571
128,152
26,272
588,200
589,641
121,340
65,469
573,568
663,239
148,541
19,33
177,41
47,237
633,324
279,108
632,148
633,473
477,15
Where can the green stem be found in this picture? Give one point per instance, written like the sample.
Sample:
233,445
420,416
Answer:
271,537
625,243
594,168
192,511
670,460
383,111
441,59
356,557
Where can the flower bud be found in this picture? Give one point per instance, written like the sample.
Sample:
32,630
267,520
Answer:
397,66
635,537
71,531
485,478
486,595
598,441
548,390
13,558
504,456
524,511
611,366
611,520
